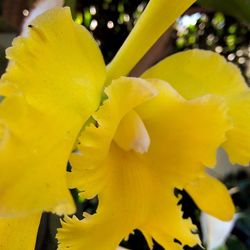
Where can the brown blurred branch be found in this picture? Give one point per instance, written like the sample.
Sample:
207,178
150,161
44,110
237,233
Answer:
163,47
13,11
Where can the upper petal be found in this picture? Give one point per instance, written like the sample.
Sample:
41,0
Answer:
185,134
51,88
196,73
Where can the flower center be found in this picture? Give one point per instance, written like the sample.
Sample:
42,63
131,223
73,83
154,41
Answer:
132,134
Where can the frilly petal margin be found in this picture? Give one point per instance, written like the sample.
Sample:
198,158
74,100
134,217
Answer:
201,72
50,90
124,94
136,191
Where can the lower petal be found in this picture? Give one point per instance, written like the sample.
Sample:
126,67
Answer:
166,223
99,231
212,197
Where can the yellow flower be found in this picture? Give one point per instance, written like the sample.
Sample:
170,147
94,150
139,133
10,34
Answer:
50,90
148,139
135,178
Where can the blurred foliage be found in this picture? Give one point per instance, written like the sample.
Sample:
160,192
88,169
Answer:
239,183
237,8
109,21
217,32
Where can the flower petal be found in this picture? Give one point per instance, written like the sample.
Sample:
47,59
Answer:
39,8
96,140
50,91
136,191
166,222
155,20
215,232
186,134
212,197
196,73
19,233
95,232
238,143
132,134
131,198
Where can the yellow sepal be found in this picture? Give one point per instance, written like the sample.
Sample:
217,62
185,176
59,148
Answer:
50,89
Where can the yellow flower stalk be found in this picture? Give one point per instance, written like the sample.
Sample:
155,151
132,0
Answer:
155,20
49,92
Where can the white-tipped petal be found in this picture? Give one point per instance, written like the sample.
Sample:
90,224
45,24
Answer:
215,231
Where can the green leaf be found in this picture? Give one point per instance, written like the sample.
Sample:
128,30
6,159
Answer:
234,243
72,5
236,8
224,247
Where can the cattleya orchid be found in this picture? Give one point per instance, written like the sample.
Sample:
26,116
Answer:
149,136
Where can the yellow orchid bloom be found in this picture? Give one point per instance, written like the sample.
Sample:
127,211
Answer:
135,178
147,140
49,93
